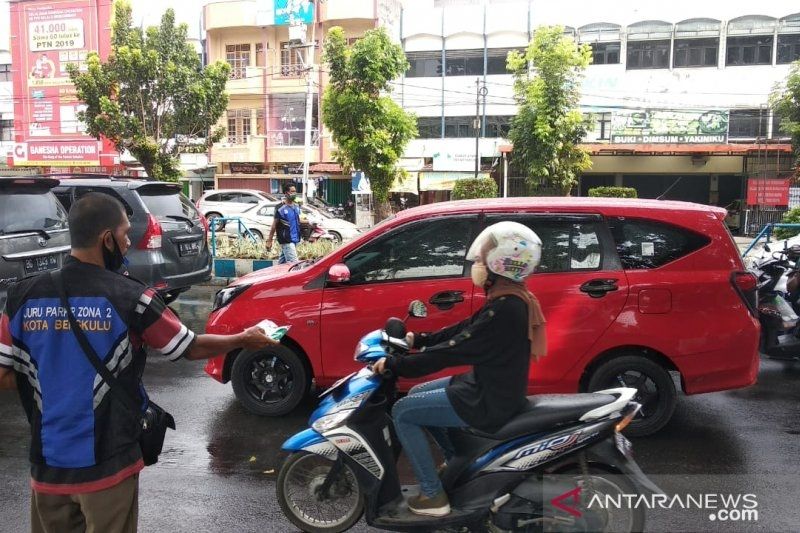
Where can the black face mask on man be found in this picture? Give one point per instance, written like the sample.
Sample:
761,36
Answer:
113,260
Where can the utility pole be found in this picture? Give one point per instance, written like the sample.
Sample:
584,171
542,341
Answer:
480,92
309,68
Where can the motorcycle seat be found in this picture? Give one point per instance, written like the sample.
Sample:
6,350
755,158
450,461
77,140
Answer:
545,411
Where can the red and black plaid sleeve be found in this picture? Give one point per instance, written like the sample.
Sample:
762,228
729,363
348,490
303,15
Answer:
160,329
6,342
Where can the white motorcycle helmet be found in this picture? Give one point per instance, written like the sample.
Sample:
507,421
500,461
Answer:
508,249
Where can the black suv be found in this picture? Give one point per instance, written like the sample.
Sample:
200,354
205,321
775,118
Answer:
169,249
33,229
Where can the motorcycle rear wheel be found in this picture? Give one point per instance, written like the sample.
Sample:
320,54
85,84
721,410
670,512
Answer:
298,480
605,480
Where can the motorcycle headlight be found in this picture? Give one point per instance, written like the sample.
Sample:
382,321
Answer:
361,348
332,421
340,413
226,295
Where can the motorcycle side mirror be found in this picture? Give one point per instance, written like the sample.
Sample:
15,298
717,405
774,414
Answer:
395,328
338,273
417,309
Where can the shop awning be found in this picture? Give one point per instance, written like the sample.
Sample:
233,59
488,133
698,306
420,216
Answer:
325,168
444,181
406,184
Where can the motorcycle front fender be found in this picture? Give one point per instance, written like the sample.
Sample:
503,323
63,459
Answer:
303,440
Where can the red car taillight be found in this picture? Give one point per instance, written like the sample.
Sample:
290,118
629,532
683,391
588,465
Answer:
744,283
204,222
152,235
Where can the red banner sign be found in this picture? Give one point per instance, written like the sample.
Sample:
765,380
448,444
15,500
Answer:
57,154
768,192
48,36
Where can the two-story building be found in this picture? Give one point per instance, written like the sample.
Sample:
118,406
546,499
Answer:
677,93
271,66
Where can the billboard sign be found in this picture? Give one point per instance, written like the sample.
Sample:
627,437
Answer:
448,160
292,12
652,126
768,192
50,35
286,13
57,154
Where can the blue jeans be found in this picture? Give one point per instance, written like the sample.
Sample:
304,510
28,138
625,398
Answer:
426,406
288,253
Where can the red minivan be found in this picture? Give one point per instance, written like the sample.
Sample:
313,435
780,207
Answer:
635,292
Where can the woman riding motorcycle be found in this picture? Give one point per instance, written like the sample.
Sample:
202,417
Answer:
498,341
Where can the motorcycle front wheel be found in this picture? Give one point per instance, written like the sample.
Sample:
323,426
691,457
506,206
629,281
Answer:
311,509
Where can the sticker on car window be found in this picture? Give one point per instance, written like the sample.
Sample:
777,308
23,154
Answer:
648,249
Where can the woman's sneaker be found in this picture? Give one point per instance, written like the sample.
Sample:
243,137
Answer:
436,506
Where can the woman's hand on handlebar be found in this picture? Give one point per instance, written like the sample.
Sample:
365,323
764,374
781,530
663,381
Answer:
410,339
379,366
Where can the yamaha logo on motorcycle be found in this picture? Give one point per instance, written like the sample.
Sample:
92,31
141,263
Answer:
345,465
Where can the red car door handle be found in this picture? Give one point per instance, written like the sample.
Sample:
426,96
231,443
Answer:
446,300
597,288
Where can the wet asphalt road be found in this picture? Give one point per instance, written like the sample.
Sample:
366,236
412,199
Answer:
218,471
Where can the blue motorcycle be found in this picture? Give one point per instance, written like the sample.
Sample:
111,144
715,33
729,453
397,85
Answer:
560,465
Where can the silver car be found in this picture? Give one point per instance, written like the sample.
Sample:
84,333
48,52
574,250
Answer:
34,236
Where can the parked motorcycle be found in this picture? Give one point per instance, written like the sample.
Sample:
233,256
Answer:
778,289
313,232
538,472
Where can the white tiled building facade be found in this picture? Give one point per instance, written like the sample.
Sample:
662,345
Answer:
679,55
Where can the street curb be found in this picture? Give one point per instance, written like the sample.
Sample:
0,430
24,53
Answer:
215,282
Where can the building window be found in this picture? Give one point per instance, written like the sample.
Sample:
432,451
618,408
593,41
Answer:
778,131
287,120
5,72
291,60
498,125
260,59
605,53
7,130
788,48
750,50
648,54
238,57
496,60
459,127
424,64
696,52
463,62
429,127
748,123
238,126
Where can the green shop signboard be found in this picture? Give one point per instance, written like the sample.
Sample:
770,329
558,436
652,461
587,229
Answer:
677,126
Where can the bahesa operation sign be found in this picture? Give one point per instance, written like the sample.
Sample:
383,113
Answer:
51,35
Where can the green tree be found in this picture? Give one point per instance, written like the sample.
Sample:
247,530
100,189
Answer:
785,102
548,127
470,188
152,94
369,128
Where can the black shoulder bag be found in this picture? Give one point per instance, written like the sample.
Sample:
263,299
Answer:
154,421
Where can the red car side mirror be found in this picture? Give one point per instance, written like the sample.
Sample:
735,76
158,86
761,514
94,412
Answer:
338,273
